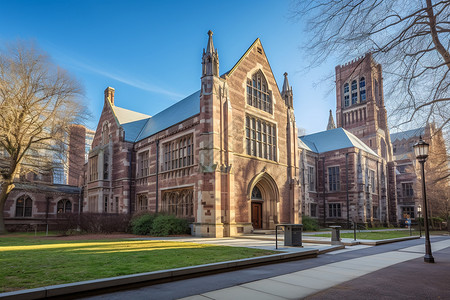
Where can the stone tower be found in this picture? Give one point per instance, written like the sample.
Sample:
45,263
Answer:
360,103
360,109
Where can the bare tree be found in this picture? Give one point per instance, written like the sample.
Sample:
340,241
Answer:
38,103
409,38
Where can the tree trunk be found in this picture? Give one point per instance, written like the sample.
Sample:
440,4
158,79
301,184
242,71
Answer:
7,186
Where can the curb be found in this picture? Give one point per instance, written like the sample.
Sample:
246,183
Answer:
93,286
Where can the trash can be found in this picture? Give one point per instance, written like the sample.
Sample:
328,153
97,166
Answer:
293,235
335,235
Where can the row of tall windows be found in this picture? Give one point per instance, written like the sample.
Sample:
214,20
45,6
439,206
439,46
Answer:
178,203
354,92
258,94
178,153
24,206
261,138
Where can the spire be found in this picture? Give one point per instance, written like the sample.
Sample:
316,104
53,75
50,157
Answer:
210,59
210,47
331,122
287,93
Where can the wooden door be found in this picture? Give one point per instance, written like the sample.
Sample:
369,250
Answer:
257,215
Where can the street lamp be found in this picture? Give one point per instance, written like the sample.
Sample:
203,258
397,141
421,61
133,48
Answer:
421,152
419,210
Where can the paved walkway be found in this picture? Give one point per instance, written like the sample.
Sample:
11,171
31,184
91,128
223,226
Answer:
311,281
319,278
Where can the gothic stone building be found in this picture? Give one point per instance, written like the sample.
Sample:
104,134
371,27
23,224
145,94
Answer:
349,171
224,157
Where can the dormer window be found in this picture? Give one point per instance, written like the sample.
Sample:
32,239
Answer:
258,94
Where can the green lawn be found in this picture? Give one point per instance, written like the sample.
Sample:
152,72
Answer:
377,235
35,262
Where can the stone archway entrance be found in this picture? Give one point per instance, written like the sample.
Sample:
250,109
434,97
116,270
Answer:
263,204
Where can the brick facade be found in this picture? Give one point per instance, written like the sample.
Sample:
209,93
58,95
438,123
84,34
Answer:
211,176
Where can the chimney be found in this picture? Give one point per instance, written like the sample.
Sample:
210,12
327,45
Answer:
109,95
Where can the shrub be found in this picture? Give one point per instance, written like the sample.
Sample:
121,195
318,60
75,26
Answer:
164,225
309,224
142,224
104,223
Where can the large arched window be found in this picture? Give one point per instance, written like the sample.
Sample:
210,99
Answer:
64,206
24,207
362,89
258,94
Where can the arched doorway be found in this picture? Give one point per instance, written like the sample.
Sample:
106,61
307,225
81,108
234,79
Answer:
263,202
257,205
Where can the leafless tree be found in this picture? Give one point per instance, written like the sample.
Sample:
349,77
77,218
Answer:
409,38
38,103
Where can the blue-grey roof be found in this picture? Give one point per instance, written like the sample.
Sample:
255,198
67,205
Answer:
180,111
407,134
333,139
138,126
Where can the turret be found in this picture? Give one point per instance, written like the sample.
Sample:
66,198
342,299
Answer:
286,93
210,59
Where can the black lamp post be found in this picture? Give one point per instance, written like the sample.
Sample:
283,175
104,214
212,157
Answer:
421,152
419,210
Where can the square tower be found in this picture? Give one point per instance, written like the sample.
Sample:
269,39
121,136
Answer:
360,103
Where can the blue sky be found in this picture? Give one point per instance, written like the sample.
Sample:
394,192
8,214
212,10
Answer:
150,51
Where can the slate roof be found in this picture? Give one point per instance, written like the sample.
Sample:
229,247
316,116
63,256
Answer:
333,139
139,126
54,188
407,134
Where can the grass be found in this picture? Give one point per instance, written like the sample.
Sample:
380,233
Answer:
35,262
377,235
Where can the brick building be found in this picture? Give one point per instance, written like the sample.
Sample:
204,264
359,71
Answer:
354,172
39,198
224,157
408,172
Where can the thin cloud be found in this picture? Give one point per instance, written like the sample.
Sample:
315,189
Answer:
76,63
132,82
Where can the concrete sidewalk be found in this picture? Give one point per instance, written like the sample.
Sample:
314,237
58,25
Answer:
314,280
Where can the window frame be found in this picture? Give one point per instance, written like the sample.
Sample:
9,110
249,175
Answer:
26,210
334,210
334,180
260,138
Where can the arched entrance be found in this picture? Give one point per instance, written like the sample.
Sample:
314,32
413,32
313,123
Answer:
263,201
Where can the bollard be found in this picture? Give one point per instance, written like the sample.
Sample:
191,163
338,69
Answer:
335,235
